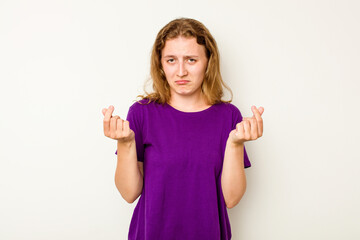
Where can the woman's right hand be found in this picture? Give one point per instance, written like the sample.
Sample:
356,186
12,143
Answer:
115,127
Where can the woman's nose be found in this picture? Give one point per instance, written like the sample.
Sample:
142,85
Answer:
182,70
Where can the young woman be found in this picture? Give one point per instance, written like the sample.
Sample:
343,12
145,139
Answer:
181,148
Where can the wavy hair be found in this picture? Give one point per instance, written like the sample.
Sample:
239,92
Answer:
212,85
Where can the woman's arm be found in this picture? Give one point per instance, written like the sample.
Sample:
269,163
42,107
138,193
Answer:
233,178
128,179
128,176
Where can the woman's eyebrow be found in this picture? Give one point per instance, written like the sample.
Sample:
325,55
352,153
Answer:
186,56
169,56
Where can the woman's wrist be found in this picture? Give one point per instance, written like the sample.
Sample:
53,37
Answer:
233,144
122,143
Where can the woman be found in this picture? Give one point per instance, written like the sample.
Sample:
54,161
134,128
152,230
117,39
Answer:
181,148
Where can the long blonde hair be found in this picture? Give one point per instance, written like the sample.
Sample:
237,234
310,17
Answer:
212,83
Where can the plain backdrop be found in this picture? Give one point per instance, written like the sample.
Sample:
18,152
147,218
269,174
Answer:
61,62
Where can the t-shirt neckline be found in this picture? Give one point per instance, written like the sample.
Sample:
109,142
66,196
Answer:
188,113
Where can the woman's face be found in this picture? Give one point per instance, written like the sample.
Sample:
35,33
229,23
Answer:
184,62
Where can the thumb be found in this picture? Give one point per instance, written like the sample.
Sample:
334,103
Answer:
261,110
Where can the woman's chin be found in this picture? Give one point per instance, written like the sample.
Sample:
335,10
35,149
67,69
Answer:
185,92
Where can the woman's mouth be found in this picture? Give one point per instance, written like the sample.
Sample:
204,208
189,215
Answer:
181,82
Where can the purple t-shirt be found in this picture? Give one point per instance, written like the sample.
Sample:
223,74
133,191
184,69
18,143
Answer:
183,153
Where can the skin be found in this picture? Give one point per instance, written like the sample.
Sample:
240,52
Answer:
184,59
249,129
129,172
233,178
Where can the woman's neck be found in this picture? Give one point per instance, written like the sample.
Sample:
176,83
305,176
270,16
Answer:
189,103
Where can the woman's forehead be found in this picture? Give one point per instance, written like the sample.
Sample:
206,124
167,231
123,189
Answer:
183,46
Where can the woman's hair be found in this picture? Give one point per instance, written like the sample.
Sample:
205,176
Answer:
212,83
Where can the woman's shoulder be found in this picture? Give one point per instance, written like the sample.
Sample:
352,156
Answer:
143,104
229,106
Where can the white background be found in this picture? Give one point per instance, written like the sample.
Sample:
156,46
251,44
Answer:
61,62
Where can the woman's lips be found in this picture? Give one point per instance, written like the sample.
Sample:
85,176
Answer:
182,82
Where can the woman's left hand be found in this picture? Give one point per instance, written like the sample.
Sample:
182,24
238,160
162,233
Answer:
249,128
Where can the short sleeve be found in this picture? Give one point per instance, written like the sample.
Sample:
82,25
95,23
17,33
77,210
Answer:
237,117
135,119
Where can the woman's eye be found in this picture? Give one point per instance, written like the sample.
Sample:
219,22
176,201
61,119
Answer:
171,60
192,60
